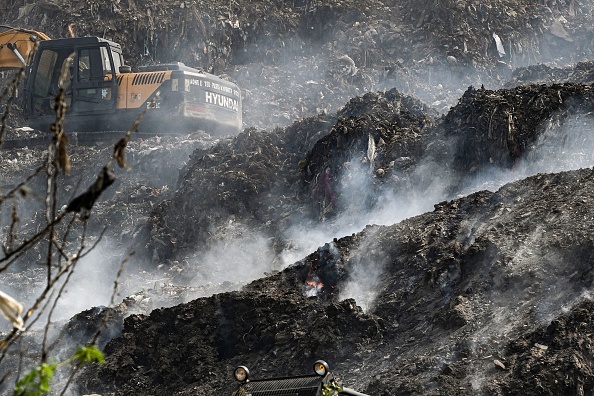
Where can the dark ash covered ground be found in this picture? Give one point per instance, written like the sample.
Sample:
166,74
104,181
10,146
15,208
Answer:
449,208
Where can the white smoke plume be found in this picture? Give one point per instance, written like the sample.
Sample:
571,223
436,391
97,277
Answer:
368,263
91,285
562,145
92,282
240,257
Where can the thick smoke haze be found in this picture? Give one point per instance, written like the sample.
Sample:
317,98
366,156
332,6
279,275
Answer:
562,145
90,285
246,256
92,282
243,256
368,265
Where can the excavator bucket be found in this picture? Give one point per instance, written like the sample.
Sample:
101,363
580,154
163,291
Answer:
17,46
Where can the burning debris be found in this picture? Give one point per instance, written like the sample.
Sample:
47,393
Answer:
485,291
324,272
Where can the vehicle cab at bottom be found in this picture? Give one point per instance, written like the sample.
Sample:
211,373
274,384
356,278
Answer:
321,383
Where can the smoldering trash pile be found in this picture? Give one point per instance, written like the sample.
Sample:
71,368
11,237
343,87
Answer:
410,200
443,309
301,58
274,179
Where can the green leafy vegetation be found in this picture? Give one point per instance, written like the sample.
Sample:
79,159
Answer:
331,389
37,381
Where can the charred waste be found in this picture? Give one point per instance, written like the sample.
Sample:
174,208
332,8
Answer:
410,199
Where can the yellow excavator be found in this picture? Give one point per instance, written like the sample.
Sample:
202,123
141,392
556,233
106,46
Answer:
103,94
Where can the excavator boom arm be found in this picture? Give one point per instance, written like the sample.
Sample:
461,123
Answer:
17,45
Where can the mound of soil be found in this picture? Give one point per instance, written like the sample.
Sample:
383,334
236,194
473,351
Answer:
582,72
360,116
468,298
498,127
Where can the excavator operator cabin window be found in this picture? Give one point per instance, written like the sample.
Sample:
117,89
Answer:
93,90
45,73
44,81
107,71
90,67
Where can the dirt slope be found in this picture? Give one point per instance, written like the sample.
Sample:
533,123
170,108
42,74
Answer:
329,196
493,277
296,59
378,144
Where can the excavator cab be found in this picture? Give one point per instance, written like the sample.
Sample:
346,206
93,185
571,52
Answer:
84,67
102,94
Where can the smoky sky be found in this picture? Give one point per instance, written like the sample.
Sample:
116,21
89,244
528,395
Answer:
303,86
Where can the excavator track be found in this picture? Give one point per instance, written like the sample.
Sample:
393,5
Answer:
78,139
